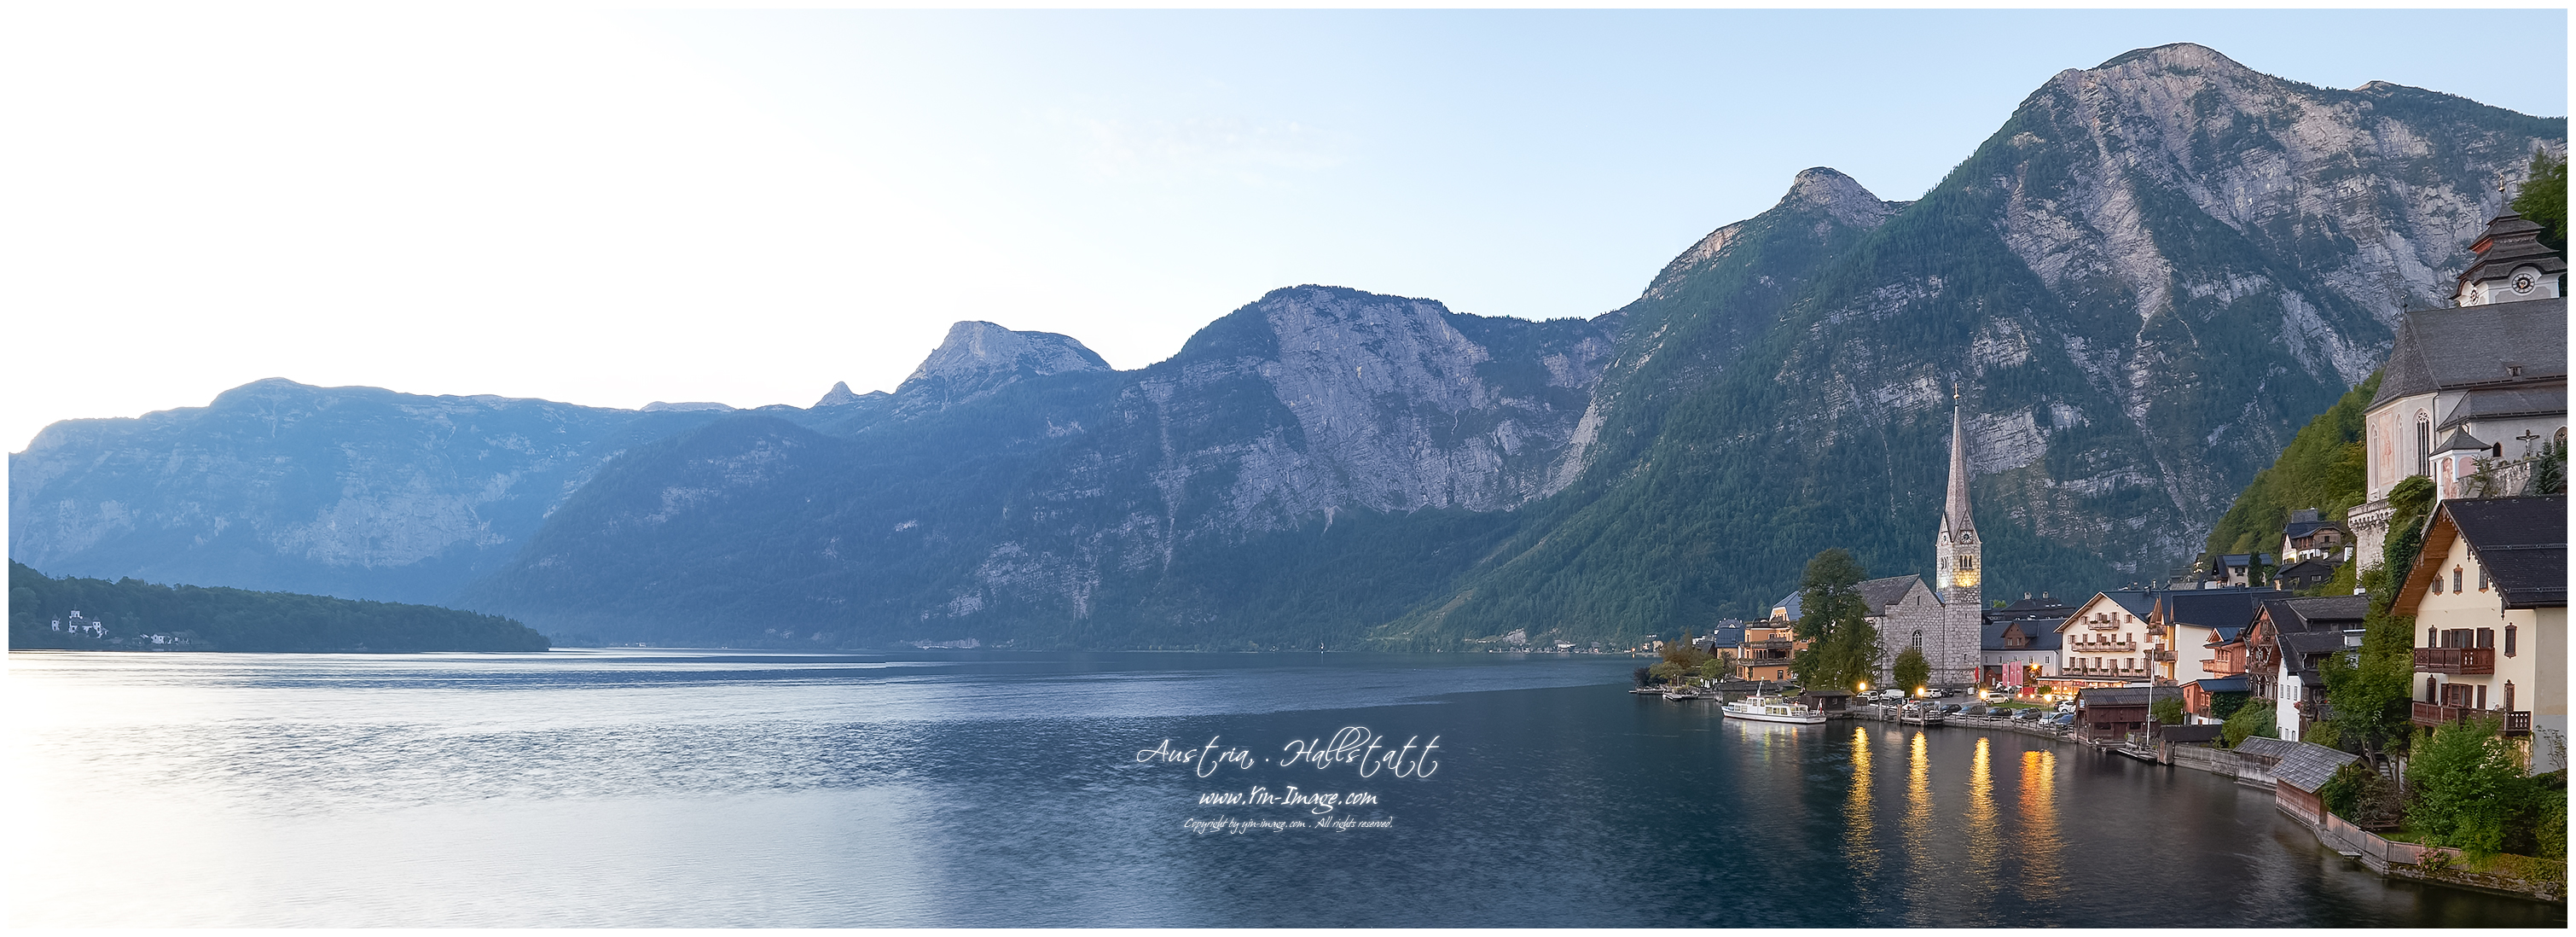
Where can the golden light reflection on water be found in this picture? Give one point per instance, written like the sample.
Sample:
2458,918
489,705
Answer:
1981,881
1860,838
2039,841
1918,794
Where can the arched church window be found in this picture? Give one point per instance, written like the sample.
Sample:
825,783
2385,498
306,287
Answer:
1918,639
2423,444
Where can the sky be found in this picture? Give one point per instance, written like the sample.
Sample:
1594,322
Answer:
616,207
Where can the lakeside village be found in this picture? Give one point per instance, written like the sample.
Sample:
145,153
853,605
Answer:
2400,686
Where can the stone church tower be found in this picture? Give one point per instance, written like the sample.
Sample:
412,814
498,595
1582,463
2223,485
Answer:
1954,654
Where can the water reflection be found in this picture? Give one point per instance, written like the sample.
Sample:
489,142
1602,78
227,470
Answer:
2039,842
1980,882
1860,835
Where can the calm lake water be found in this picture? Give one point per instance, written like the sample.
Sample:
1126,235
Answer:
694,788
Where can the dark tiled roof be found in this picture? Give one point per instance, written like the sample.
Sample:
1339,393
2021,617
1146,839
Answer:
2503,402
2510,241
1727,636
2457,440
2209,608
2523,544
2469,345
2263,747
2308,767
2117,696
2306,568
2041,632
1879,593
2331,611
2297,529
2297,649
2234,684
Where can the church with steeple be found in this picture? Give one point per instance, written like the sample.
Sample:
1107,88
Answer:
1957,554
1944,617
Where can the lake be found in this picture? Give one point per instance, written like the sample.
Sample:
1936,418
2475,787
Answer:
632,787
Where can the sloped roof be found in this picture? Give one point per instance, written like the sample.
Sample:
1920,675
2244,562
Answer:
2229,684
2308,767
2116,695
2209,608
2263,747
1792,604
2041,632
2332,612
1879,593
1727,636
2521,541
2509,241
2297,649
2042,607
2306,568
2495,403
2445,348
2297,529
2457,440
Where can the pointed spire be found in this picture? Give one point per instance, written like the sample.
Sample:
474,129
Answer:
1955,519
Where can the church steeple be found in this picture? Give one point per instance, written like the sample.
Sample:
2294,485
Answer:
1957,525
1956,545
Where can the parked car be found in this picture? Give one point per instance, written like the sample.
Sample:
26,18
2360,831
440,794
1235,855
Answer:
2028,715
1995,696
1935,693
2066,707
1976,709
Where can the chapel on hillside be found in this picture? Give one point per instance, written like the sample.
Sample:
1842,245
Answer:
2471,393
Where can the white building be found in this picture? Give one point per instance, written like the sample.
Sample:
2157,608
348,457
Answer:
2493,369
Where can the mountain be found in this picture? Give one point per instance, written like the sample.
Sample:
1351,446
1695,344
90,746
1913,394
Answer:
2137,288
1306,466
347,491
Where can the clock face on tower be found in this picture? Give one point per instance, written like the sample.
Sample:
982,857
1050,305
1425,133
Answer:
2522,283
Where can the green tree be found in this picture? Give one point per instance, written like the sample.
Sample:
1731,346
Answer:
2549,472
2543,199
2469,791
2256,717
2411,500
1911,670
2167,710
1843,652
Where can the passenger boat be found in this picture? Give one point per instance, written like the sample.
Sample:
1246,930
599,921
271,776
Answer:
1683,693
1761,708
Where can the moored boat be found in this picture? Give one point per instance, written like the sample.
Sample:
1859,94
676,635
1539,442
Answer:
1774,709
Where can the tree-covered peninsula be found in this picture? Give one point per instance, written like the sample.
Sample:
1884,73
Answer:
130,614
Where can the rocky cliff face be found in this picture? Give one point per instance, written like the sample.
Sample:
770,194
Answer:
1012,478
346,491
2142,284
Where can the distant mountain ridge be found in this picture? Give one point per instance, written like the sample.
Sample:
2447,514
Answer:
2140,286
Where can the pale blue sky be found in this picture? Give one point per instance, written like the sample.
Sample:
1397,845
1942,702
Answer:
747,206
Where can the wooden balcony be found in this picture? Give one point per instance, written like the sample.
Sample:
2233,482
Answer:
2103,647
2459,660
2166,655
2516,722
2221,666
